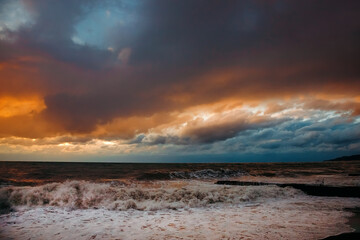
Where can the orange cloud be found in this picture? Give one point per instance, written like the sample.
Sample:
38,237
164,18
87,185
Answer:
11,106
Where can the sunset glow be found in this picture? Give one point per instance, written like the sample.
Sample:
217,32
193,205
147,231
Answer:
103,79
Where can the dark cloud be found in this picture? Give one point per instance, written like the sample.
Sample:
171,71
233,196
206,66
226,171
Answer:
207,133
138,139
52,30
218,131
199,51
337,135
334,134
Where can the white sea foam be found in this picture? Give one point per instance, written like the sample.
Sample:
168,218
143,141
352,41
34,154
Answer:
185,209
302,217
162,195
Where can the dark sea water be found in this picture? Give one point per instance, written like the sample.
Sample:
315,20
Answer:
35,173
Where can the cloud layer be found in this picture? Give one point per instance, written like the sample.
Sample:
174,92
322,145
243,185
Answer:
162,76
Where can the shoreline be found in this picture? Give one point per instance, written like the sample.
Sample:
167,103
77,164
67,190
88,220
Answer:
354,223
276,219
321,190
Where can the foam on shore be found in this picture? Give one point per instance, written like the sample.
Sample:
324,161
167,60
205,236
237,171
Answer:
296,218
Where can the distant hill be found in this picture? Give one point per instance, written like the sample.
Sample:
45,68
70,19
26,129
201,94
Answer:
347,158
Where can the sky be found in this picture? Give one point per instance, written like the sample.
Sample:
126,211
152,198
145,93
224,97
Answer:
181,80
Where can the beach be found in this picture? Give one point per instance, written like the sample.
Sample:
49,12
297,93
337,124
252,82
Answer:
187,205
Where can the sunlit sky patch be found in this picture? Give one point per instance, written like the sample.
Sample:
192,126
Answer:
13,15
100,22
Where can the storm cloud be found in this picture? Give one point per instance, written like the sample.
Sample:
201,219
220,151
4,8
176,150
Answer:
144,71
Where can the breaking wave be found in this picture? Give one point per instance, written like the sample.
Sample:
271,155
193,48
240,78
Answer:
83,195
207,174
199,174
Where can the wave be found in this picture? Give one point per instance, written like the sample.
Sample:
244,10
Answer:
83,195
207,174
199,174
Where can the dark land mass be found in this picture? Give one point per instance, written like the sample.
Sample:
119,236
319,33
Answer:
347,158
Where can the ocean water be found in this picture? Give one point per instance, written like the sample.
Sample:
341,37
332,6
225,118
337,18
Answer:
34,173
170,201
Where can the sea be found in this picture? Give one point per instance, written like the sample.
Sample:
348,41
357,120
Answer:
58,200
